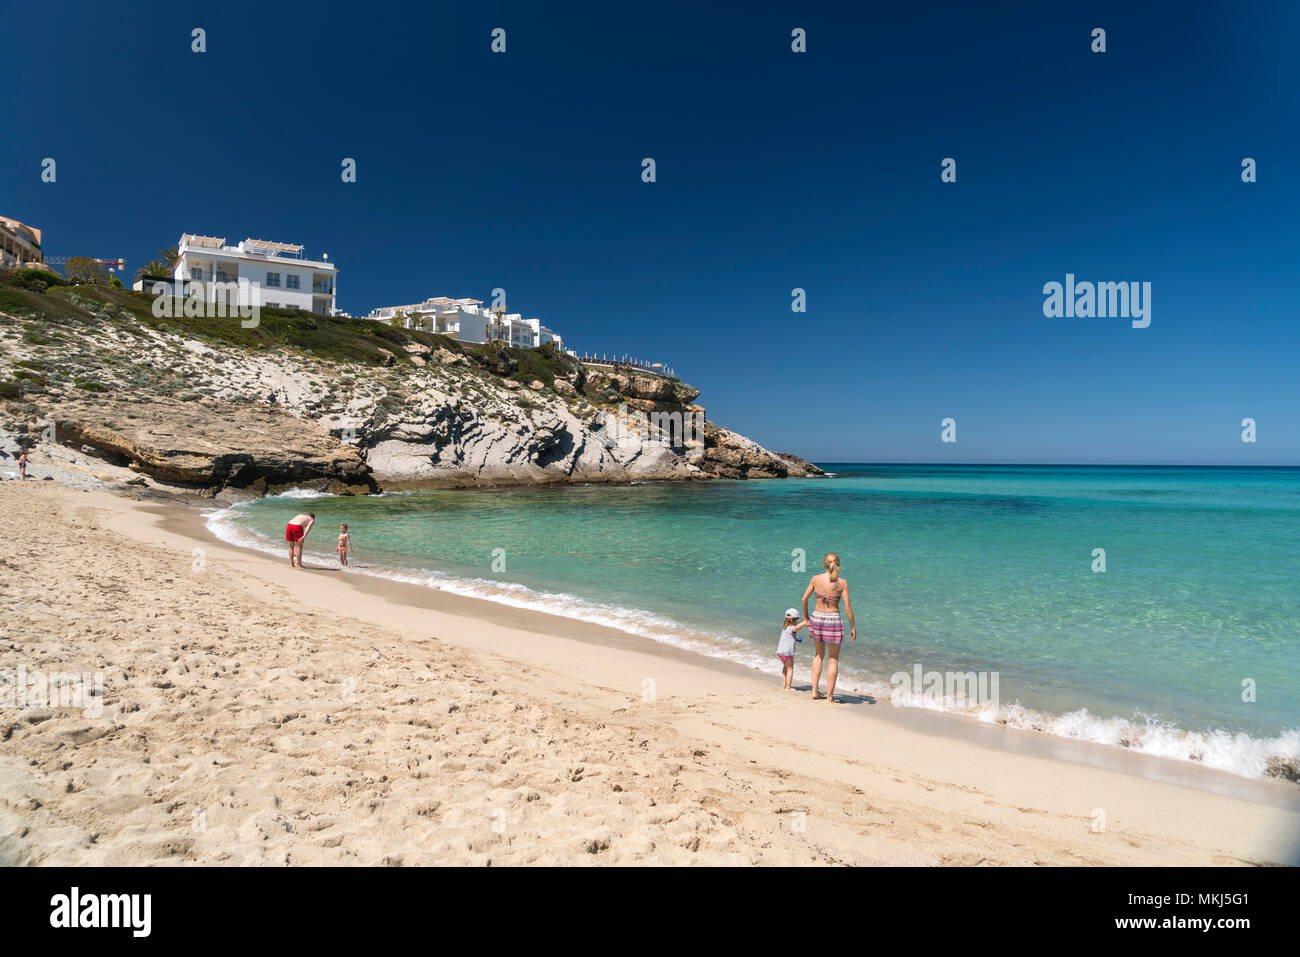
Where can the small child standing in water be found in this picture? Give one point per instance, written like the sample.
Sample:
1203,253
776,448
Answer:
785,647
345,545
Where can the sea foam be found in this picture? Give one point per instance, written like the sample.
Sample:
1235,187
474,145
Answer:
1234,752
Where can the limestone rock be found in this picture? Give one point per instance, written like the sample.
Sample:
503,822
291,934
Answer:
198,414
174,442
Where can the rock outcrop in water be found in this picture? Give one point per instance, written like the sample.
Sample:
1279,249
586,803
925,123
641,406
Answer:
346,405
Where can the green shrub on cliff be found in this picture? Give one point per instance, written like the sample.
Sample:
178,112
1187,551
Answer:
13,302
26,375
544,364
331,338
31,277
326,337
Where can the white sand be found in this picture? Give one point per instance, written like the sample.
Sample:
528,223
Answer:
255,714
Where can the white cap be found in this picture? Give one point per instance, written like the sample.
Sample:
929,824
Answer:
792,613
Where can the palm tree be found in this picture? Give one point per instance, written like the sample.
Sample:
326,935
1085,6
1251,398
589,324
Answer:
164,265
497,329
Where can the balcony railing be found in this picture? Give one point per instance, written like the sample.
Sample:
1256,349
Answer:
322,288
199,275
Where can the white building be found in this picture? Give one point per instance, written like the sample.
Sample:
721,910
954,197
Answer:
273,275
20,244
468,321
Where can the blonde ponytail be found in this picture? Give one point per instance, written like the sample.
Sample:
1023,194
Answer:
832,565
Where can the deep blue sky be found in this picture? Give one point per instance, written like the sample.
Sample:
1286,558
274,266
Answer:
775,170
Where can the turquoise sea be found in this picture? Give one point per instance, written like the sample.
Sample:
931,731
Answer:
952,568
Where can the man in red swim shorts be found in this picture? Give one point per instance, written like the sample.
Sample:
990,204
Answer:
295,532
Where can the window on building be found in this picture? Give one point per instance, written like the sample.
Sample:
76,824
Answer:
273,279
291,282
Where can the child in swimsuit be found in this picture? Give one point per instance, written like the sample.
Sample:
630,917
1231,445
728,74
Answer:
785,647
345,545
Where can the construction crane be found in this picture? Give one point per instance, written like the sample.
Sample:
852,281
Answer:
111,264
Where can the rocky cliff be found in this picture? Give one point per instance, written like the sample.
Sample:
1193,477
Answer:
344,404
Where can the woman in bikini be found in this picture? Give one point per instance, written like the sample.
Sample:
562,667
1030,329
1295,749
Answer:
824,624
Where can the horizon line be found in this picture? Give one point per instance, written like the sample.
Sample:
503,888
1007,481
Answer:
1062,465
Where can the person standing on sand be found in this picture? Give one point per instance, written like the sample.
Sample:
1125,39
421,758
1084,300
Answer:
825,626
295,532
22,463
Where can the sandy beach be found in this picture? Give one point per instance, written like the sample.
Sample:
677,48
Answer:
257,714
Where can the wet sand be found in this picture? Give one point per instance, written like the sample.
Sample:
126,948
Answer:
254,713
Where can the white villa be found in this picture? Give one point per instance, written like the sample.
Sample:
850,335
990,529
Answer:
468,321
20,244
274,275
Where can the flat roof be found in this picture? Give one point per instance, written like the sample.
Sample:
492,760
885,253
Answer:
230,254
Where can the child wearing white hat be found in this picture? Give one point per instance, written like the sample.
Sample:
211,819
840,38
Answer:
785,646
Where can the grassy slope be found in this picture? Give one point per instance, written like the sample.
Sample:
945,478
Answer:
58,310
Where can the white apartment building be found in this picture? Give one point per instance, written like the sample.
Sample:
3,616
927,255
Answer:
272,275
468,321
20,244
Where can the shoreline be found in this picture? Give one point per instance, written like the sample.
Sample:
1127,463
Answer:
996,737
978,786
1165,755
